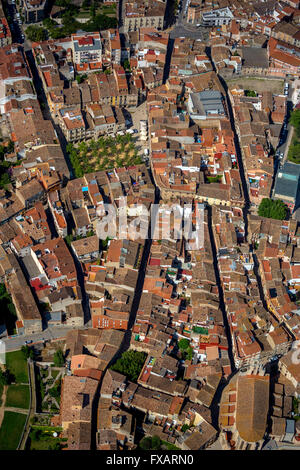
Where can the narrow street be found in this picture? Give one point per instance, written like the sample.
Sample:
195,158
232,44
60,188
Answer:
245,191
46,112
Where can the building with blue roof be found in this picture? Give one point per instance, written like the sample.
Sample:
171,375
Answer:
287,185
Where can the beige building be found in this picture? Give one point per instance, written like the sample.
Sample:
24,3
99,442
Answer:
140,14
289,367
243,411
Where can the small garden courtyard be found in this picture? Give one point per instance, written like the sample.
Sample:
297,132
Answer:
48,387
45,438
103,154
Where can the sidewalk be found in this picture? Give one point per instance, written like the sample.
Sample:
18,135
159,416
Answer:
2,407
32,408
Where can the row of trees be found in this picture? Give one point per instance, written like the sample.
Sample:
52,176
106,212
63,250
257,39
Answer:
103,154
294,150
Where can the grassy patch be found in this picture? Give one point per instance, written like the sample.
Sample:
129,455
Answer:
169,446
41,438
17,365
109,10
54,373
155,443
294,149
214,179
18,396
11,430
272,209
257,84
47,429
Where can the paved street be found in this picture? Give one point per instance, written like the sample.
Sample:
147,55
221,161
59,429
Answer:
14,343
184,29
189,31
285,137
216,445
138,115
283,148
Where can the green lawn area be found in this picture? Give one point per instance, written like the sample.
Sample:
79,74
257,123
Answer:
1,392
107,10
214,179
17,365
41,438
54,373
11,430
18,396
83,14
169,446
294,148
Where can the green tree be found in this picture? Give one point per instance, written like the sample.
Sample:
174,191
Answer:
6,378
188,353
184,428
294,151
145,443
36,434
150,443
4,180
27,352
36,33
295,119
155,443
272,209
183,344
58,358
55,391
126,64
250,93
130,364
80,78
10,146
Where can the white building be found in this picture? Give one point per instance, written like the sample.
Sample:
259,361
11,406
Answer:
217,17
